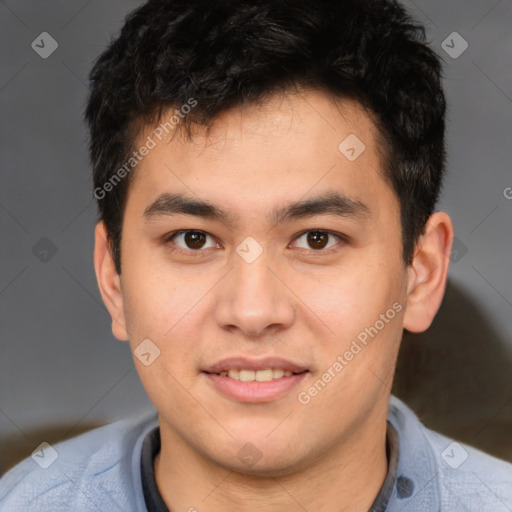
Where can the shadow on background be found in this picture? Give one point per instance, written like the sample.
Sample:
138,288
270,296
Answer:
457,376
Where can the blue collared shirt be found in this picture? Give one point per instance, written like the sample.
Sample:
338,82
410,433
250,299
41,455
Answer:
101,470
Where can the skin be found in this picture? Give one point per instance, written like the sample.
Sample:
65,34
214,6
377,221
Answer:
301,303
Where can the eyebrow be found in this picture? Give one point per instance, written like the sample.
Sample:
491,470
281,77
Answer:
331,203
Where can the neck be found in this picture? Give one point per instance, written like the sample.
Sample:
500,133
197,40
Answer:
346,477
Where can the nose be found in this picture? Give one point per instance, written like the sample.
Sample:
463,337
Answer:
253,298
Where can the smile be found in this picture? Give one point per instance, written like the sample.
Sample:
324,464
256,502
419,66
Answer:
265,375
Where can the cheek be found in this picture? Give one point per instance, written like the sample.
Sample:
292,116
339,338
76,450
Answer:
156,297
151,306
160,308
350,298
165,306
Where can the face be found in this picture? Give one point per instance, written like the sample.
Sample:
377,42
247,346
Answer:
273,243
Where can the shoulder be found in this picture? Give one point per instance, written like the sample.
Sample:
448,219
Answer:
97,470
449,475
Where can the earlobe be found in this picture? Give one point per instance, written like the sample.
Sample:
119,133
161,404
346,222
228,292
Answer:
109,281
428,273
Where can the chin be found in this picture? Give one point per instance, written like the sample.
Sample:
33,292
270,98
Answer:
257,456
266,466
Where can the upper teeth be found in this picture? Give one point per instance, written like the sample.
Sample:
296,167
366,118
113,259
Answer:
260,375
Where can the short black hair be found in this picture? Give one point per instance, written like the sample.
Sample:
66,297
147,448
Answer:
225,53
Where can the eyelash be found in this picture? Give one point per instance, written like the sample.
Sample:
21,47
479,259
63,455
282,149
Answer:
197,253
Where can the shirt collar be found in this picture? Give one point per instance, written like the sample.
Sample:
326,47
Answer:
155,503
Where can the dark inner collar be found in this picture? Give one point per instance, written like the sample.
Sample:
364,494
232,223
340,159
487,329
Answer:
155,503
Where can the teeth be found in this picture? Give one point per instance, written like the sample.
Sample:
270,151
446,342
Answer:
259,376
247,375
234,374
264,375
277,374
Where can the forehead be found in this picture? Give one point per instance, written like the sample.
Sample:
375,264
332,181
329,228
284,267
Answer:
290,145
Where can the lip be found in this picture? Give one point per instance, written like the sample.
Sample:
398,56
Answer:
254,392
244,363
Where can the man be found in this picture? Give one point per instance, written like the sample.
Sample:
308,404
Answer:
266,174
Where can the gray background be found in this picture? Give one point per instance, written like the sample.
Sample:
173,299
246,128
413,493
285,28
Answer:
62,371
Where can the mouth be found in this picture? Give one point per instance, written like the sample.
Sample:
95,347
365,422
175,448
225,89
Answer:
265,375
260,370
254,380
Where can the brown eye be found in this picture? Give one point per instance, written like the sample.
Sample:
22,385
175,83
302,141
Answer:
194,239
317,239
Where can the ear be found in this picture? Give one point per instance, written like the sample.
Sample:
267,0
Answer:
109,281
428,273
